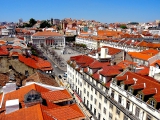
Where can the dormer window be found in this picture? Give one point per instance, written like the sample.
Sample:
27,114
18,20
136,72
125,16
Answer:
152,103
130,90
122,86
140,96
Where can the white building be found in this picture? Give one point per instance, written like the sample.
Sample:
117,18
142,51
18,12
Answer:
8,31
48,38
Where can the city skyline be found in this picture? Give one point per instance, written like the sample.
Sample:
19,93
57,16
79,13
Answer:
102,11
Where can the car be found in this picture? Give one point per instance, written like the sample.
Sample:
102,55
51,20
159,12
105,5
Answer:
59,76
65,74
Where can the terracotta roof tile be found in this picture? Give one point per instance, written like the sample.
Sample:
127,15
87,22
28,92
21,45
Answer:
98,64
147,84
149,91
3,79
55,96
30,113
36,62
65,113
47,34
144,71
140,55
3,50
110,70
38,77
126,63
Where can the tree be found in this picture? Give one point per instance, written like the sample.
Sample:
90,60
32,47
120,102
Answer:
45,24
123,26
32,22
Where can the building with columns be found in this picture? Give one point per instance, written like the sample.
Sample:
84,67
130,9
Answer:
48,38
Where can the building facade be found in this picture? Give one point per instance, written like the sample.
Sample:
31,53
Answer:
48,39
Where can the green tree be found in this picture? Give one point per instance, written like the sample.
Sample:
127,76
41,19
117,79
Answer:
32,22
123,26
45,24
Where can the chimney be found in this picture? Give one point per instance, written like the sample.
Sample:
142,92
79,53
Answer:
12,105
104,52
9,87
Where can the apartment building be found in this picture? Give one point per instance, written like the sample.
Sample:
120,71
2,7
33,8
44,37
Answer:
91,79
137,94
111,92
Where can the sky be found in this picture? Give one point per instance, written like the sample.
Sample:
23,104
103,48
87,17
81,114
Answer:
105,11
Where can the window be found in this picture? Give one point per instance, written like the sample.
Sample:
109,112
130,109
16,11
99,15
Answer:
130,90
84,90
120,99
87,103
88,85
118,112
94,111
140,96
104,110
110,116
99,105
137,112
111,106
84,82
152,103
90,107
105,100
87,93
125,118
91,88
128,105
91,97
95,100
112,94
100,96
148,117
99,116
95,92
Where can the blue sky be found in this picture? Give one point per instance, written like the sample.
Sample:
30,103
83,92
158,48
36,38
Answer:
106,11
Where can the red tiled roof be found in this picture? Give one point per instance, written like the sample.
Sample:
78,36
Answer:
47,34
151,52
129,82
38,77
3,79
40,112
108,84
35,62
144,71
140,55
97,64
82,60
96,76
30,113
119,78
126,63
138,86
156,62
149,91
111,50
3,50
144,83
69,112
110,70
55,96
